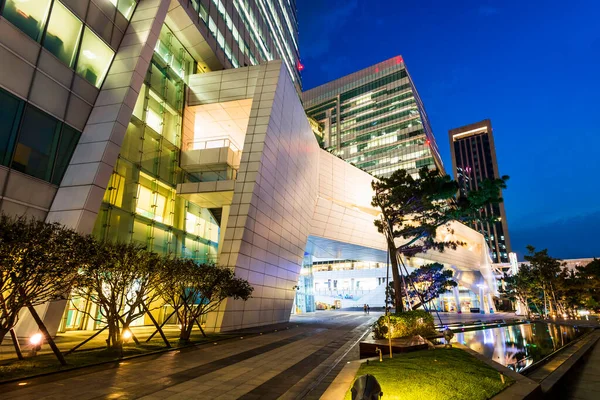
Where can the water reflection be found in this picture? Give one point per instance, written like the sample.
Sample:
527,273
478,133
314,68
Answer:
519,346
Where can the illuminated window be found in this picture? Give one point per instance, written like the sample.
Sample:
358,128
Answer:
150,204
154,112
62,36
194,224
94,58
125,7
114,192
29,16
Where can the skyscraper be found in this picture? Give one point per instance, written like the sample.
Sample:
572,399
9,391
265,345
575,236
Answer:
474,159
375,119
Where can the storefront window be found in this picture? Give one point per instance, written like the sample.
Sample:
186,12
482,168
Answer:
29,16
10,112
94,58
62,36
38,139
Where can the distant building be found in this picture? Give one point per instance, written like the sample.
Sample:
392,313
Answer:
474,159
374,119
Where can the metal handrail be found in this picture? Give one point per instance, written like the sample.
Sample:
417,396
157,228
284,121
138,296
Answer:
214,143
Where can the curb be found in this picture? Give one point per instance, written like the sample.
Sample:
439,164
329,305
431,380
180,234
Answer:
561,364
342,382
523,388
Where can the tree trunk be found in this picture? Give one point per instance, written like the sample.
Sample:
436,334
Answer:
3,333
186,331
396,276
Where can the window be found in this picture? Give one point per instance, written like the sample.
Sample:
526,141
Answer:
29,16
66,146
194,224
94,58
38,139
10,113
125,7
62,36
150,204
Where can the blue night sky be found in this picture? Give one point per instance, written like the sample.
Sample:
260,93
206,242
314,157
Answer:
531,66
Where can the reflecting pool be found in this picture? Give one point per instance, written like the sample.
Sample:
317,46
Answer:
518,346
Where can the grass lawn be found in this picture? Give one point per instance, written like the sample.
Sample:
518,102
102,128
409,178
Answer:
434,375
44,363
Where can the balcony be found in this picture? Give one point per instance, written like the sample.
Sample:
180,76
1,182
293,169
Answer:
210,155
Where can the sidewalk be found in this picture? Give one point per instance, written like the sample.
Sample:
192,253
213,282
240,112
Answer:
582,382
284,364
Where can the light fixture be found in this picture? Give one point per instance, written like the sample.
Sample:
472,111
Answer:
36,339
126,334
89,54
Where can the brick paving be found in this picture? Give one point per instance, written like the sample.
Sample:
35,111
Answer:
297,361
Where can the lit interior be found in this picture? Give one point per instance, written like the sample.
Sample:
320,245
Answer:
218,121
63,34
94,58
28,15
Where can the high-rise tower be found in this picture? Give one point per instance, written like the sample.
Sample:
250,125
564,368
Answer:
474,159
374,118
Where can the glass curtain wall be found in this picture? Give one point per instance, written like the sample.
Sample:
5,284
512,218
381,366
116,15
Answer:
140,203
63,34
34,142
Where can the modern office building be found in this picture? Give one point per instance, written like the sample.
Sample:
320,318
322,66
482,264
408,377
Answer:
92,96
375,119
113,123
474,159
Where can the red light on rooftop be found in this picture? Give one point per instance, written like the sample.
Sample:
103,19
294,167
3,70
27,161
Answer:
300,66
399,60
376,69
428,142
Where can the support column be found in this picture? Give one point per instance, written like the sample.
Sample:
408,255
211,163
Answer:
457,299
492,304
481,300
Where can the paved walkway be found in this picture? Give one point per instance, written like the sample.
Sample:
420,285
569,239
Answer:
582,382
296,362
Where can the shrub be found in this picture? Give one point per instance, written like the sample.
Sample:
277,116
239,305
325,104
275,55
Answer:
408,323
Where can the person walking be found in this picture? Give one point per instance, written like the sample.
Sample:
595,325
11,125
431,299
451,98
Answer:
365,308
368,309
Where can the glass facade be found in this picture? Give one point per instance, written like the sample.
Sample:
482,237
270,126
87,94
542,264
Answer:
375,120
253,31
63,34
34,142
140,203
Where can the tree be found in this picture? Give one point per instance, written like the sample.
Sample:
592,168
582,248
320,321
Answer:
546,270
120,279
38,264
589,284
430,281
194,290
521,287
572,290
412,210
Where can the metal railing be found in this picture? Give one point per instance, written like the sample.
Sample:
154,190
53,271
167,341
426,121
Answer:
214,143
210,176
355,293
